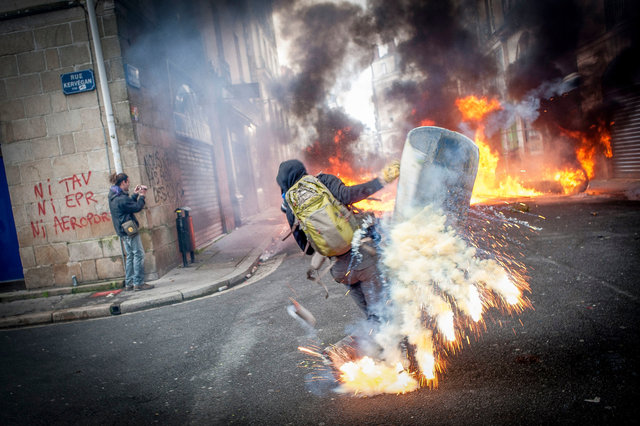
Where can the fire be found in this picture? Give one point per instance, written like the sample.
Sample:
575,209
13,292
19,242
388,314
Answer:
368,377
569,179
475,109
487,186
587,151
489,183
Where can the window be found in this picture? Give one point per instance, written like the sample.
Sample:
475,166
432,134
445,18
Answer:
238,57
506,5
523,45
189,119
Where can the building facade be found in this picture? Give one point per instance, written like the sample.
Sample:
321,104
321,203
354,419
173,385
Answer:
576,70
600,81
385,71
193,119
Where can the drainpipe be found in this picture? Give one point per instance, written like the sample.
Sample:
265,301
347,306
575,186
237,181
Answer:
104,86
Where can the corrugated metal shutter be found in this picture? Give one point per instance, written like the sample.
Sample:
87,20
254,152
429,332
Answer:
625,134
200,190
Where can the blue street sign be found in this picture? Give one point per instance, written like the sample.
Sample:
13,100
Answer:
78,82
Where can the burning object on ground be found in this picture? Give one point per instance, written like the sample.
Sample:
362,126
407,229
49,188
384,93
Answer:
563,172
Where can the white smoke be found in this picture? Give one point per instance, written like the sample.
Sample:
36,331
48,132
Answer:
439,289
433,271
528,108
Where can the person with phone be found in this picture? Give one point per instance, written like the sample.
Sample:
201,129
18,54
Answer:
123,206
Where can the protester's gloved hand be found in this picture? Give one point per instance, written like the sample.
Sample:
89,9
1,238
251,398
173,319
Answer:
390,172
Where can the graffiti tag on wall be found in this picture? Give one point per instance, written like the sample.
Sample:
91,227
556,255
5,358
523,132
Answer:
75,197
162,177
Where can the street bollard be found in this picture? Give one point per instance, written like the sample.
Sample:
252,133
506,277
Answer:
186,237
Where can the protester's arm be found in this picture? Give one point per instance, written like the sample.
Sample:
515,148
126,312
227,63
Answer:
350,194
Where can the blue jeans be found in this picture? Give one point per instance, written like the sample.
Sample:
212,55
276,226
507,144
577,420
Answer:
134,266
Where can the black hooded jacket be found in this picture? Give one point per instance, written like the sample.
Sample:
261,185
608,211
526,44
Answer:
291,171
123,207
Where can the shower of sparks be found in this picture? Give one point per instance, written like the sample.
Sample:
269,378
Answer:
442,282
309,351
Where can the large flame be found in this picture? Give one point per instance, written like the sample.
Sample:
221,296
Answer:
490,184
487,185
587,151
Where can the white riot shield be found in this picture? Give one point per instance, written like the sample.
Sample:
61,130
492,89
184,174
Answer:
438,166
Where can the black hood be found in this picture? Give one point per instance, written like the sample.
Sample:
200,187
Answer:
290,172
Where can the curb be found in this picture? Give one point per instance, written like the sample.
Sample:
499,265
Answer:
59,291
243,270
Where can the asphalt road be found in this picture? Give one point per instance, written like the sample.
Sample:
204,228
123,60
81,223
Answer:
233,358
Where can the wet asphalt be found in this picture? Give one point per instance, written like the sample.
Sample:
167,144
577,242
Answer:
232,358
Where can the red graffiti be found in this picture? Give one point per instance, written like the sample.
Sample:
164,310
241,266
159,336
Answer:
38,227
73,200
75,180
42,207
70,223
37,189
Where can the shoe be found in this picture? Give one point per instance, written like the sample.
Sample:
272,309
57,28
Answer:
143,287
128,288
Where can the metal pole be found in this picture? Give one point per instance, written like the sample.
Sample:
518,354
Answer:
104,86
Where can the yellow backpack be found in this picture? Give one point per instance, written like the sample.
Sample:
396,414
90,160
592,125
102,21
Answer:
328,224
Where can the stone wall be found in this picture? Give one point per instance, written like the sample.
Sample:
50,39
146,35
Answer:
55,146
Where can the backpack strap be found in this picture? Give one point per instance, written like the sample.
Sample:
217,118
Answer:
316,262
296,224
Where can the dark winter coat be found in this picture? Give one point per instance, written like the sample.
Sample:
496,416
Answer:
292,170
123,208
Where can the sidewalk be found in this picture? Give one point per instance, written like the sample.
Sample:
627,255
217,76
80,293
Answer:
624,188
223,264
228,261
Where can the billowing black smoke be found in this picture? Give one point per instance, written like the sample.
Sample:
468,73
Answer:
444,55
336,132
547,48
435,45
321,37
440,45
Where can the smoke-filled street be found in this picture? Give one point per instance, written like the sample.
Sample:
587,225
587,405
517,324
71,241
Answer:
234,358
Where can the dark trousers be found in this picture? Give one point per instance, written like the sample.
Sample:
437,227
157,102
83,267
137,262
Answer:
363,281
